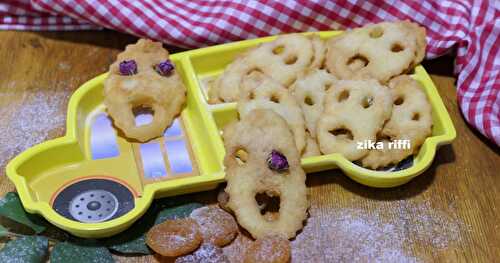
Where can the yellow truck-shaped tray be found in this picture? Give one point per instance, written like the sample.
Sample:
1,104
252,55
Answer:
93,182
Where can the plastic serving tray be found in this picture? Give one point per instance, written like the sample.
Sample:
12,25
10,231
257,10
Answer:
95,183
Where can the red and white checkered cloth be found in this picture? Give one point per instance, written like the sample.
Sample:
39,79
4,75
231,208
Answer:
472,26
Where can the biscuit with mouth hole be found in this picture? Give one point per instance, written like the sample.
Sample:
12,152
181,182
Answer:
161,95
259,91
281,59
310,90
411,119
354,111
379,51
258,135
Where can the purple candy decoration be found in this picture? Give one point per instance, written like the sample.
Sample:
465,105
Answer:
165,68
128,67
277,161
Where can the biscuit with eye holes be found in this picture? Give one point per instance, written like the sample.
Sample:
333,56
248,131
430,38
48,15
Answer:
259,91
380,51
411,119
135,82
250,172
354,111
226,87
309,90
281,59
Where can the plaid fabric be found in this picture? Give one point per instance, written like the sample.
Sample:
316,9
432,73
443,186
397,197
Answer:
473,27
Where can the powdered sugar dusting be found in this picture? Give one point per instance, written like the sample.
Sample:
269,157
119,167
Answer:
64,66
236,250
348,235
430,226
217,226
32,122
270,249
384,233
180,236
207,253
355,235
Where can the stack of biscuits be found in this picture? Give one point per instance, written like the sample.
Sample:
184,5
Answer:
300,96
339,92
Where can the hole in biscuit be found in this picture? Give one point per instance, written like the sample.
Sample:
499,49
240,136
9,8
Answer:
308,101
342,133
291,60
258,70
376,32
357,62
278,50
399,101
415,116
328,86
383,137
269,205
143,115
344,95
367,102
251,95
241,156
396,47
274,98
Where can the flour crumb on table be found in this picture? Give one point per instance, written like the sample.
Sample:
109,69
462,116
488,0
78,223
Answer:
357,235
31,122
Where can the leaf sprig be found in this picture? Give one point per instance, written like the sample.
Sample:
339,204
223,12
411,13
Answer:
35,248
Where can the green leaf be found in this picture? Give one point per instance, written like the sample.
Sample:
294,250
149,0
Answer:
80,252
3,231
11,207
132,241
25,249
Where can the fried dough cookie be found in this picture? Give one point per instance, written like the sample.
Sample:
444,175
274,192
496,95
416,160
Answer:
281,59
217,226
319,54
207,253
270,249
143,77
261,158
262,92
173,238
310,90
380,51
222,199
411,119
235,251
355,111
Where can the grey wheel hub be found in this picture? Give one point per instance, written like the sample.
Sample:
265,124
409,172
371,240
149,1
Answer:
93,206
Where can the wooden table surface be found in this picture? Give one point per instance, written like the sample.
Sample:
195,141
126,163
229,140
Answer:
449,213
